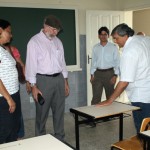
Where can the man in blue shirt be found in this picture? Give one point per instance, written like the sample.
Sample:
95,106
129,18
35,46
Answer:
104,67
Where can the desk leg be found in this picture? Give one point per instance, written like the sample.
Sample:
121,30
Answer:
77,132
121,127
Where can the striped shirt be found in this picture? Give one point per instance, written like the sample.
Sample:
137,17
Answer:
8,72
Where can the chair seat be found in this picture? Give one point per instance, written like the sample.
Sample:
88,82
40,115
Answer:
133,143
130,144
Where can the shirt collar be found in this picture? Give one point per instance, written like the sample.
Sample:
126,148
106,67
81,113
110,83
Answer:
127,42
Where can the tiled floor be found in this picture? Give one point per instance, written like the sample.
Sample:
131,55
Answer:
97,138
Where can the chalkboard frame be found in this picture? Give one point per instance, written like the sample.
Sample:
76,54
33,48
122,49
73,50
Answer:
76,66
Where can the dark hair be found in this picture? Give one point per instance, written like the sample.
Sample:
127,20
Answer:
122,30
4,24
103,29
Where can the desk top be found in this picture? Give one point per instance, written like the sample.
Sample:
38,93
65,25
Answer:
147,133
104,111
45,142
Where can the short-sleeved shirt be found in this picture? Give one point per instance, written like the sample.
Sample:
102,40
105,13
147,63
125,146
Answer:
8,72
135,68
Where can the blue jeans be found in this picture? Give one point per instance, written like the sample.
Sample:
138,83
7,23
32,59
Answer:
139,115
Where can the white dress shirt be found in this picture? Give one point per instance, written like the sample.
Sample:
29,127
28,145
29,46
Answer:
135,68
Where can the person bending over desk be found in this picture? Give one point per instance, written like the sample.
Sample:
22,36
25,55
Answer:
134,71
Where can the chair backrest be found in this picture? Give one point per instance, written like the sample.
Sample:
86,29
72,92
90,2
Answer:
145,124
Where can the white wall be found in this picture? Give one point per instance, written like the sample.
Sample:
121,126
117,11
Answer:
133,4
141,21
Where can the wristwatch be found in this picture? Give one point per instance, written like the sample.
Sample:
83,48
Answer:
32,84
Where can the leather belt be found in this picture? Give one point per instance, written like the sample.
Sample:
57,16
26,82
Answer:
103,70
51,75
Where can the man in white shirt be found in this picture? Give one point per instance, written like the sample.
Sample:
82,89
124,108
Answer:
135,71
104,66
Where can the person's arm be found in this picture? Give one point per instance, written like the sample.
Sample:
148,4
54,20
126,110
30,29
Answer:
31,68
64,71
66,87
18,59
10,101
121,86
35,92
92,78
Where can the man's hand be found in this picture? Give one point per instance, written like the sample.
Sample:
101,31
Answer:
92,78
67,90
113,80
104,103
35,92
28,87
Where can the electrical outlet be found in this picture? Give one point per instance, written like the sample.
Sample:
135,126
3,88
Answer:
31,99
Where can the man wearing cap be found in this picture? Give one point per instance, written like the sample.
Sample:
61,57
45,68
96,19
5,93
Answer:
47,74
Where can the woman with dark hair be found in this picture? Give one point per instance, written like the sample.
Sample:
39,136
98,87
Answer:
10,109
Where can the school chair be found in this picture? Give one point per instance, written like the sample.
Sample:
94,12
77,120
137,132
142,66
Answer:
133,143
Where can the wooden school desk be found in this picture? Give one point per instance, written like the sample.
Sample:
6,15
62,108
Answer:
45,142
94,113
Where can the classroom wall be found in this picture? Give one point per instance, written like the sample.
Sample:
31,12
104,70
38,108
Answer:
141,21
133,4
77,80
81,5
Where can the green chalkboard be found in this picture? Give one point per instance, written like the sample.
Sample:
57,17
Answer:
26,22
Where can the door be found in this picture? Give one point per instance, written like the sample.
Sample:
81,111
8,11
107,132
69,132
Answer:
94,20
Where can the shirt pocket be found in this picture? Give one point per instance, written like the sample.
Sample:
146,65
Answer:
58,54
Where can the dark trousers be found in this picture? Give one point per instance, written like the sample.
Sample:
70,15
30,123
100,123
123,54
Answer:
102,80
21,131
53,91
139,115
9,122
